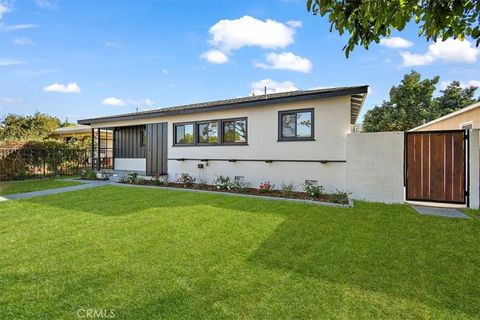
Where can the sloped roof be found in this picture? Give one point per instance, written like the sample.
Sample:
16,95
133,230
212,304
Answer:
357,94
72,129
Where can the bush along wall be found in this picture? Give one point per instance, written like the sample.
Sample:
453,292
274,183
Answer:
42,159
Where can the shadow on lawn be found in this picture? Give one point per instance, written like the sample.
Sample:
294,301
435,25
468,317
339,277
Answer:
392,252
118,201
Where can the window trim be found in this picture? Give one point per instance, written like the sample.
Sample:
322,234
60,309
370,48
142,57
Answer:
246,129
175,125
197,127
281,113
220,133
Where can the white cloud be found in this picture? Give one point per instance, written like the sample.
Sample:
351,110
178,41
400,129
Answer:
471,83
295,23
448,51
215,56
23,41
10,101
47,4
228,35
112,44
286,61
4,62
71,87
258,87
15,27
395,42
3,9
112,101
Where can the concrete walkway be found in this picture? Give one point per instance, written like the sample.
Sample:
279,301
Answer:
85,185
441,212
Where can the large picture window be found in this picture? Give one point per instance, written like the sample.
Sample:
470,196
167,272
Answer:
296,125
207,132
211,132
184,134
235,131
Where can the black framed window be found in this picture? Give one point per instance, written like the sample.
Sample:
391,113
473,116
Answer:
296,125
235,131
184,134
207,132
143,138
211,132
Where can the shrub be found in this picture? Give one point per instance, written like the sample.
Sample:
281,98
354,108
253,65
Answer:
265,187
288,188
132,177
339,197
160,180
313,190
223,183
103,175
187,180
241,185
88,174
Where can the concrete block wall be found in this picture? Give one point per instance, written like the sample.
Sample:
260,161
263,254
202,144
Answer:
474,169
375,166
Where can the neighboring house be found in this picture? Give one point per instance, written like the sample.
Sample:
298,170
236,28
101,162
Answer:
466,118
291,137
78,132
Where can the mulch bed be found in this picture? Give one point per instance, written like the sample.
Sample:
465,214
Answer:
251,191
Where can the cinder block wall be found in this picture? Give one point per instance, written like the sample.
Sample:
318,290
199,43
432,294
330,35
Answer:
375,166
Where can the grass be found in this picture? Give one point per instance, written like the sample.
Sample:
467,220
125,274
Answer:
151,254
13,187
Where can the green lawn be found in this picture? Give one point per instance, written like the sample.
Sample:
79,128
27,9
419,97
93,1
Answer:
12,187
163,254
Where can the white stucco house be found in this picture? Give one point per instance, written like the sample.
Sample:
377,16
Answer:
292,137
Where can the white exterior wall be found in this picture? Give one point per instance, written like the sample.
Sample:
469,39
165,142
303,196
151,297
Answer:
131,164
332,124
375,166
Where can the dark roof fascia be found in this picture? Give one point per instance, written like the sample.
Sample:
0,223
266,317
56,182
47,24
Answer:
267,101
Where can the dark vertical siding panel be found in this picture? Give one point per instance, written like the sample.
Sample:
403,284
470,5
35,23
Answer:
156,154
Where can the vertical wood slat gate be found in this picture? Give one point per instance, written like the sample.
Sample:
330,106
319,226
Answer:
436,166
157,148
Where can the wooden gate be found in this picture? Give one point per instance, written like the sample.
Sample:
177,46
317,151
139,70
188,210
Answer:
435,166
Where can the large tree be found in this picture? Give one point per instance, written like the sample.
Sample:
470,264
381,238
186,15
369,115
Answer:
23,128
411,104
368,21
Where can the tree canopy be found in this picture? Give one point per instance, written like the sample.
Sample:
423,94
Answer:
28,128
412,103
368,21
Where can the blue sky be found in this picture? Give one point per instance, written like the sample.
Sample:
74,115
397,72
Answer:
80,59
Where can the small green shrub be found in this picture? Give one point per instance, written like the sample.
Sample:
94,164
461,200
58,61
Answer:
313,190
339,197
187,180
240,185
223,183
132,177
160,180
288,189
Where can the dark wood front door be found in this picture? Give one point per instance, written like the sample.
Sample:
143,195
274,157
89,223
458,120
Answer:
435,166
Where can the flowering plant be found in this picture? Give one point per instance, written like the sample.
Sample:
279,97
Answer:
265,187
223,183
187,180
